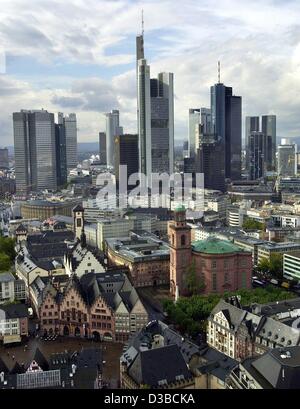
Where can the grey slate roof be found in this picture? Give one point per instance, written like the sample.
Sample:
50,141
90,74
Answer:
150,367
278,370
6,277
15,310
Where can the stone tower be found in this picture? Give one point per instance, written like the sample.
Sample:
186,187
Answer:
180,250
78,214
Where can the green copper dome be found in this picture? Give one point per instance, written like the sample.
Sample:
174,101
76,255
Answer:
179,208
215,246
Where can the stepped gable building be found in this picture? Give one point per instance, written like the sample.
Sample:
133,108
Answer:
241,333
219,265
99,306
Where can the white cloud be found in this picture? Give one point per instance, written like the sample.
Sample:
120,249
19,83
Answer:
258,45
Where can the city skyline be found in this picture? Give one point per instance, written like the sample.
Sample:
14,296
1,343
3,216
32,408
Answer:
98,75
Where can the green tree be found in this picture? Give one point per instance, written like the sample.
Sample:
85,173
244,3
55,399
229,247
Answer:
194,284
7,246
264,265
190,314
273,265
5,262
251,224
276,265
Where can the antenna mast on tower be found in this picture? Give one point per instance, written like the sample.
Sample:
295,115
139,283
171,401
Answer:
142,22
219,72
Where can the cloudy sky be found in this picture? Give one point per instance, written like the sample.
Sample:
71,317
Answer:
79,56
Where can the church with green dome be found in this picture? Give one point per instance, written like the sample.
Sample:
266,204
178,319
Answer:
216,265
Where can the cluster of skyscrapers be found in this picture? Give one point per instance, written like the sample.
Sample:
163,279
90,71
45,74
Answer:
215,138
154,142
44,150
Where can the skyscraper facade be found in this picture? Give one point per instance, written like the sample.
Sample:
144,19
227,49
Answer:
102,147
210,161
287,158
126,153
233,137
155,117
4,162
113,129
226,118
162,123
61,154
70,128
35,151
268,127
251,125
258,144
194,120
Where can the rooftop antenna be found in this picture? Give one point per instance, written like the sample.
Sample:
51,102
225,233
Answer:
219,72
143,22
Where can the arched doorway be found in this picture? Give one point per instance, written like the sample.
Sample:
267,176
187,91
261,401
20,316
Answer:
51,331
96,336
77,332
66,331
107,336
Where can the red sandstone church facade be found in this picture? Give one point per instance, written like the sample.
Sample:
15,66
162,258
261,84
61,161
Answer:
219,265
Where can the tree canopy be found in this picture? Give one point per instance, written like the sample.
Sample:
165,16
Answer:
7,253
251,224
189,314
273,265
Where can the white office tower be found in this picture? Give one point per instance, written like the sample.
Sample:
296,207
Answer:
70,127
35,154
113,129
287,158
198,116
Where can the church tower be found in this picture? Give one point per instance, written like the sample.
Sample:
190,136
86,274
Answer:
180,250
78,215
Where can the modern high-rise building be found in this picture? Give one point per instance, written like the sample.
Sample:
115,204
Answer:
61,153
287,158
251,125
210,161
258,144
194,120
70,126
162,123
4,161
196,117
35,151
233,137
268,127
226,118
126,153
113,129
155,117
102,147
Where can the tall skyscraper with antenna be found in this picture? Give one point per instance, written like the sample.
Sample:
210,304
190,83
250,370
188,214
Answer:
155,116
226,112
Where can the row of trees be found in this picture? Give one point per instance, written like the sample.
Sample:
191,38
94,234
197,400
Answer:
7,253
272,266
190,314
